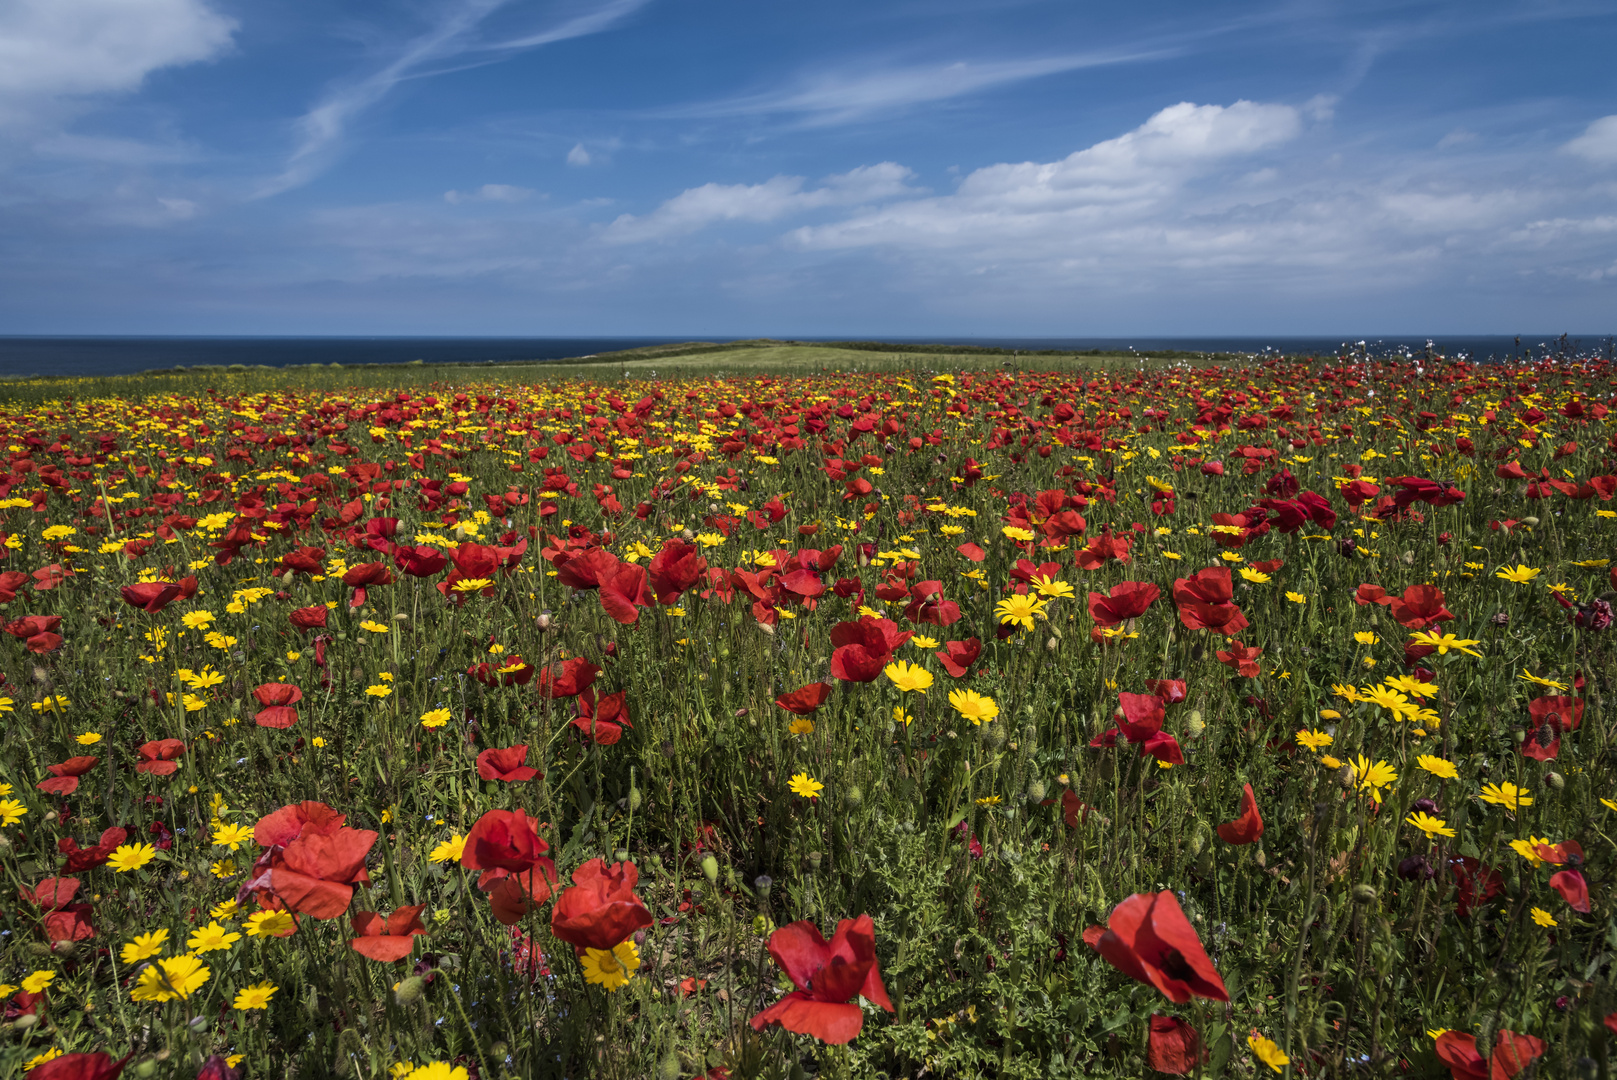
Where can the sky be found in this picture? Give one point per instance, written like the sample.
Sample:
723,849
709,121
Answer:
1037,168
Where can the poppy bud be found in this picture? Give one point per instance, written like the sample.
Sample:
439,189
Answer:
1554,779
51,816
1050,645
1530,521
853,797
1195,725
146,1069
668,1068
994,735
710,869
410,990
543,622
1195,845
1035,791
635,799
65,949
24,1022
1364,894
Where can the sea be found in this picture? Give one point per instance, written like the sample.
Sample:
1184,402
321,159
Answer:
22,357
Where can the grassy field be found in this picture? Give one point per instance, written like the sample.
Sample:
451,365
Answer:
777,711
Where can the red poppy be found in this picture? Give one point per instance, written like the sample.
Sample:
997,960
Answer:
674,569
1149,939
958,656
1171,691
157,757
623,593
218,1067
1475,883
1248,826
602,720
505,842
1173,1047
305,560
420,562
928,606
51,894
65,777
972,552
1101,548
505,764
568,678
1164,747
1370,594
1419,607
1073,809
387,939
512,671
82,859
600,909
96,1066
1127,600
1573,889
152,596
1512,1053
278,699
1205,602
362,577
1241,658
805,700
315,874
280,827
1141,716
309,618
828,976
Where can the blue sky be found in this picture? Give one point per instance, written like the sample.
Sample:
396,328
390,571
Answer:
949,167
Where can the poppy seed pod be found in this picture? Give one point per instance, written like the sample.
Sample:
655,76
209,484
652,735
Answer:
710,869
410,990
1364,894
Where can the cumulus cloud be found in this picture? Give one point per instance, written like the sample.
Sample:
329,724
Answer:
494,193
696,208
55,49
578,155
1088,189
1598,142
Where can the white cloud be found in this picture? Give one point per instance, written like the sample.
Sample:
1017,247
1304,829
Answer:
52,49
838,97
322,128
1089,190
578,155
780,196
1598,142
497,193
1458,137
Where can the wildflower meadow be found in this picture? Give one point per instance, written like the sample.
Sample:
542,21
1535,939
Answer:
1085,720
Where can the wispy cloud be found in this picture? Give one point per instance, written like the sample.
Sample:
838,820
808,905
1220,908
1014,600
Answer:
837,97
455,34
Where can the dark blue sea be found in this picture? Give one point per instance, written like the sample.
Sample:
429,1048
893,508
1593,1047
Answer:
80,356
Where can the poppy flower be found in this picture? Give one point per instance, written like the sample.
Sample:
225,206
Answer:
505,764
1095,554
38,632
1171,691
1370,594
309,618
958,656
218,1067
1073,808
1164,747
600,909
1127,600
305,560
1205,602
421,561
1142,716
10,582
1248,825
1512,1053
623,593
602,720
568,678
1476,884
387,939
1172,1046
1241,658
1149,939
151,596
82,859
157,757
315,874
1573,889
928,606
277,699
1419,607
585,569
674,569
281,827
505,842
52,893
972,552
805,700
96,1066
65,777
828,977
362,577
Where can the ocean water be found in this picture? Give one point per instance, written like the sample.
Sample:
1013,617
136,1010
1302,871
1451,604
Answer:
82,356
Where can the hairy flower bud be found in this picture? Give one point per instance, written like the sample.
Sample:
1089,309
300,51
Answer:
1364,894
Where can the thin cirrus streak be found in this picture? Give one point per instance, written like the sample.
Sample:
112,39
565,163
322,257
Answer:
322,127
